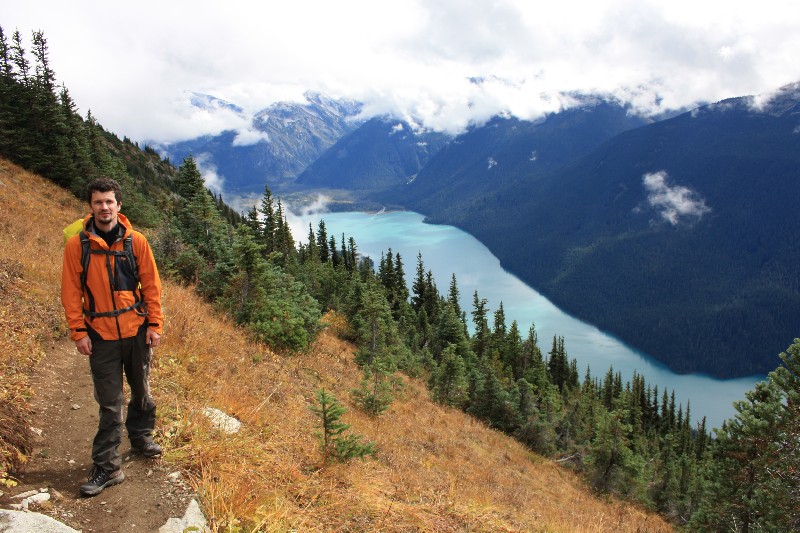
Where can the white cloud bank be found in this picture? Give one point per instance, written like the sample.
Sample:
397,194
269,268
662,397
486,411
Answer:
444,64
673,202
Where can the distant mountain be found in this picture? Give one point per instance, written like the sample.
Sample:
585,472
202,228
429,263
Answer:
286,138
508,149
208,102
681,237
381,153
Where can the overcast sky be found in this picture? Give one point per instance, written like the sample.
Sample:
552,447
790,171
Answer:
134,63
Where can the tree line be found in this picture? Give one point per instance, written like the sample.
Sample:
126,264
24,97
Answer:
630,439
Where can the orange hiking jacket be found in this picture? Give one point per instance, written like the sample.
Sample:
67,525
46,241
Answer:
73,298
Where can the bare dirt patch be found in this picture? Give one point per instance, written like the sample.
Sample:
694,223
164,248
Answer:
65,412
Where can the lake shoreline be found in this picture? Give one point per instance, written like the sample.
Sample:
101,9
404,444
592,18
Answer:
448,250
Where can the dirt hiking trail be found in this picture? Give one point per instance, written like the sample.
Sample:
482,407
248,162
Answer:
65,412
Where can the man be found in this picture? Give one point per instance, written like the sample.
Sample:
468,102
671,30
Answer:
113,310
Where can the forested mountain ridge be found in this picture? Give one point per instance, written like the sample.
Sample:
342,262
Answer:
680,237
507,149
381,153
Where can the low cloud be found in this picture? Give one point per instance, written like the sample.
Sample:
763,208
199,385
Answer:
674,203
299,217
249,136
208,170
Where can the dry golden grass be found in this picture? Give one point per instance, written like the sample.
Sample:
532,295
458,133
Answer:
31,211
435,470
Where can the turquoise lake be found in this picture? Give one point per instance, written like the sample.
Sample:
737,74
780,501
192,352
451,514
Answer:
447,250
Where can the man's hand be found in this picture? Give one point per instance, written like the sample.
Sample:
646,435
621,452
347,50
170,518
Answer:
153,338
84,345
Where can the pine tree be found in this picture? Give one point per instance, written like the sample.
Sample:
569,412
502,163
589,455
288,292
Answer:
752,478
420,289
513,356
480,339
189,182
8,90
345,256
373,326
313,250
335,445
453,296
270,223
557,363
352,253
23,148
449,331
612,465
787,378
52,158
375,393
322,242
492,403
744,494
77,144
448,381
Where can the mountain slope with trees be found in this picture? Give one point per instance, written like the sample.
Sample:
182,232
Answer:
381,153
506,150
435,468
678,237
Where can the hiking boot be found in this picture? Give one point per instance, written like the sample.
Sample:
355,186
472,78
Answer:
99,479
148,449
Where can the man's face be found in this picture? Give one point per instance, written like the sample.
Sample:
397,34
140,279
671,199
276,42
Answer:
105,209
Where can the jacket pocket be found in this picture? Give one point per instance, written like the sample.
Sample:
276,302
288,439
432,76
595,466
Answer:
124,275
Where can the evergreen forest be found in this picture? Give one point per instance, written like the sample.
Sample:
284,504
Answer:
628,439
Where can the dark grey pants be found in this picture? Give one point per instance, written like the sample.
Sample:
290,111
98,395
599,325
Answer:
108,361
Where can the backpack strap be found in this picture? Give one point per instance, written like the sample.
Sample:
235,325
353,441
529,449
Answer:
127,252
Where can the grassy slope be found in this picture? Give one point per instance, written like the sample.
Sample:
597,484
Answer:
436,469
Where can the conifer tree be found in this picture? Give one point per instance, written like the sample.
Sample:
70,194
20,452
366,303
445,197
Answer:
334,251
23,149
449,331
352,253
270,223
743,494
374,328
77,144
345,256
313,250
453,296
448,380
514,354
557,363
189,182
533,367
491,402
480,339
51,158
613,467
322,242
752,479
335,444
418,287
375,393
8,90
399,288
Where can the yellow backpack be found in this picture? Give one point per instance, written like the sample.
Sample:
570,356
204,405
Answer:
73,229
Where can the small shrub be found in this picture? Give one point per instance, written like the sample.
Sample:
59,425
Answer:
334,443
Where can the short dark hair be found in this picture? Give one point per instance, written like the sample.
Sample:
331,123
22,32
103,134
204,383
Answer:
103,185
